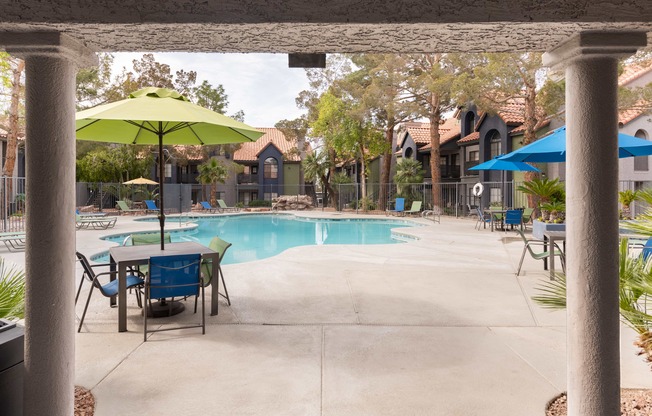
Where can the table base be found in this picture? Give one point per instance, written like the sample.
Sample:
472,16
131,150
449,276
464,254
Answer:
164,308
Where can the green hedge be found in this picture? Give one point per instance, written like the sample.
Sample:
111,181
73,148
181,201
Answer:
260,203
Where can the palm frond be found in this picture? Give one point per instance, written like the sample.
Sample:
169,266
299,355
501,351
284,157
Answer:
12,291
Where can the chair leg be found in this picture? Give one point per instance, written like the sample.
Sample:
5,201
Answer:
81,283
81,321
203,311
221,275
518,272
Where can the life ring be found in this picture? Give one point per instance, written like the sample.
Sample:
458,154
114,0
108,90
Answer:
478,188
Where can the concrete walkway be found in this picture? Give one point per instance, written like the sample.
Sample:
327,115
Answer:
437,326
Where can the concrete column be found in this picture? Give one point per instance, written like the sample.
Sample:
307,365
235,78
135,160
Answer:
593,345
50,68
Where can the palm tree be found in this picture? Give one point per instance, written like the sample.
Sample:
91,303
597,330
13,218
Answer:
12,291
408,172
316,166
210,173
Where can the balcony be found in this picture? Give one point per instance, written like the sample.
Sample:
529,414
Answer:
245,178
468,165
448,171
187,178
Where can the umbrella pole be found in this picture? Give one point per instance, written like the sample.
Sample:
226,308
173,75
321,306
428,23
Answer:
161,172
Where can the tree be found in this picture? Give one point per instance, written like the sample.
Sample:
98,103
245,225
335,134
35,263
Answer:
12,75
342,124
117,163
432,83
383,82
408,172
210,173
315,166
296,131
213,98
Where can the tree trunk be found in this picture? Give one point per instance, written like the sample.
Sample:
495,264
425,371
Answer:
363,177
214,194
301,147
435,118
12,134
386,166
331,173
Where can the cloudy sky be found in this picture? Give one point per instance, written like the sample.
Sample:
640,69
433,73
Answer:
261,85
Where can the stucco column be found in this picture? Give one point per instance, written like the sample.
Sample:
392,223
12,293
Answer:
593,343
50,68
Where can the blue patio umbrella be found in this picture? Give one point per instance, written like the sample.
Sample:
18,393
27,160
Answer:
552,148
498,163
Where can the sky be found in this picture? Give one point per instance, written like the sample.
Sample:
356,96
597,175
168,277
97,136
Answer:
261,85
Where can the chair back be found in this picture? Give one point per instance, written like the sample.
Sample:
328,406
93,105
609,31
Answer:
221,203
142,239
400,204
513,217
647,249
527,214
206,205
416,206
220,246
123,205
89,273
151,205
173,276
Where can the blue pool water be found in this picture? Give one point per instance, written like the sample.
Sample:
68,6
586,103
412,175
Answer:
256,237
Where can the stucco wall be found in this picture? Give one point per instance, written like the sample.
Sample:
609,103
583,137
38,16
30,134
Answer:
290,179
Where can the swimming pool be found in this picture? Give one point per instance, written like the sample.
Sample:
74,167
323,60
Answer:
256,237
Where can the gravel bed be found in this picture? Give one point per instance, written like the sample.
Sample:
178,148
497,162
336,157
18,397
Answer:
632,403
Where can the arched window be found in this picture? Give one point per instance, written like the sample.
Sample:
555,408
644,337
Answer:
641,163
495,146
271,168
469,124
408,153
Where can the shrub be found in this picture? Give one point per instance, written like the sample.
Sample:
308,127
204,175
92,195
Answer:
259,203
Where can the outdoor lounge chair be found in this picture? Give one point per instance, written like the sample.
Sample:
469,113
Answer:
208,269
123,208
95,223
150,206
223,207
415,208
14,241
109,289
482,219
208,207
90,214
399,207
552,251
174,276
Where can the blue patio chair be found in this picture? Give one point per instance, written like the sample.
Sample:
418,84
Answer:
647,249
208,207
174,277
399,207
150,206
110,289
482,219
513,217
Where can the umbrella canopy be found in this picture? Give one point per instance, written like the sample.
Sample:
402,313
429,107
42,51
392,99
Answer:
497,163
552,148
140,181
159,116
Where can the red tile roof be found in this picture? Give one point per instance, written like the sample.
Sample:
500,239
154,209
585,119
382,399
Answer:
634,71
625,116
521,128
420,132
475,136
248,152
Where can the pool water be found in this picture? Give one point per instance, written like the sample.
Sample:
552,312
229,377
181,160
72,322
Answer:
256,237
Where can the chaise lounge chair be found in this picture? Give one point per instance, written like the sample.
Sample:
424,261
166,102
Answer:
208,207
14,241
399,207
124,208
95,223
415,208
223,207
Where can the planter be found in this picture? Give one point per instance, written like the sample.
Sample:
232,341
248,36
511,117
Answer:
539,227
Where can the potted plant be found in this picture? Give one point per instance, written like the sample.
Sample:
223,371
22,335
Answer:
626,198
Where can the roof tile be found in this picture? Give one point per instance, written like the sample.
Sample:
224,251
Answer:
248,152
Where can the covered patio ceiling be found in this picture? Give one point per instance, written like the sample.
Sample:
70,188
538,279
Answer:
318,26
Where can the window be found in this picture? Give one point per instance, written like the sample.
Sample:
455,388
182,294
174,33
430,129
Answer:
408,153
474,156
254,170
495,145
168,170
270,195
641,162
271,168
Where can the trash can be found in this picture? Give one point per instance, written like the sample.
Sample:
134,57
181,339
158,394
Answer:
12,353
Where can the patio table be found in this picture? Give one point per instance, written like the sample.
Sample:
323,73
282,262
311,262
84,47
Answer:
551,236
492,213
124,257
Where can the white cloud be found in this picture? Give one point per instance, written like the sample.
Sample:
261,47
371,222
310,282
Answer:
261,85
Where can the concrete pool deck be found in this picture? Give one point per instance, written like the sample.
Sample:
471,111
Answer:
436,326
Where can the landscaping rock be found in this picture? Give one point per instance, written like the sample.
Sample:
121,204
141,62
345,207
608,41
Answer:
292,202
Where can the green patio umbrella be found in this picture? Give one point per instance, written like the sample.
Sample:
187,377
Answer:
160,116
